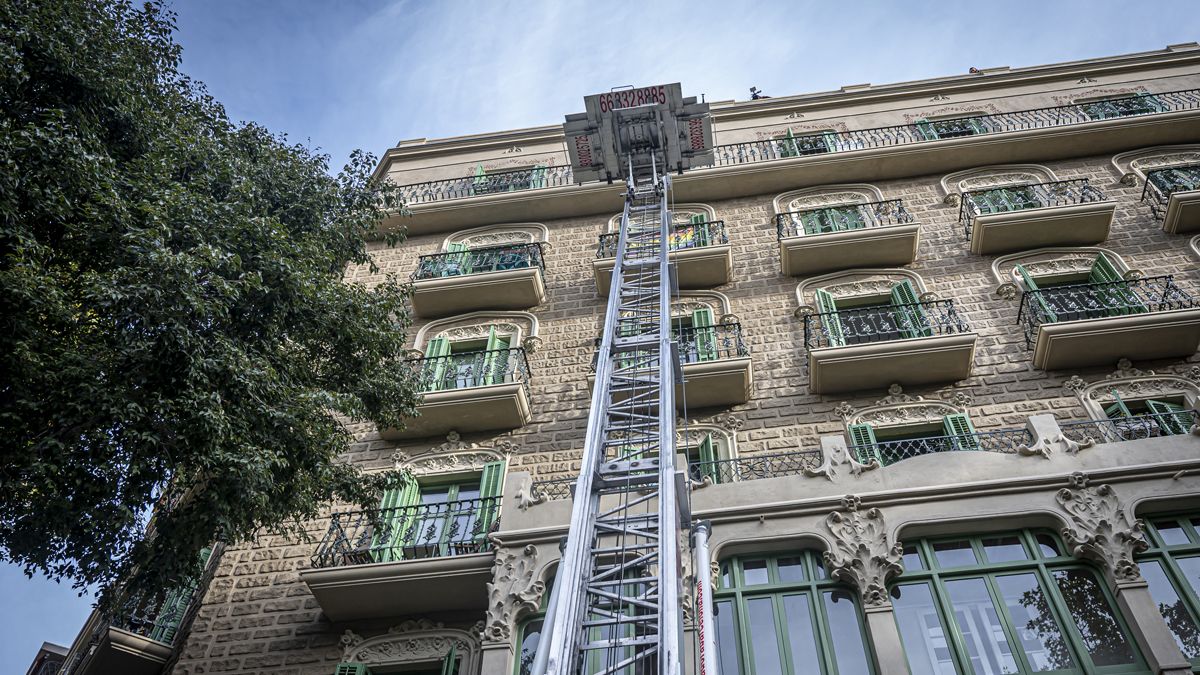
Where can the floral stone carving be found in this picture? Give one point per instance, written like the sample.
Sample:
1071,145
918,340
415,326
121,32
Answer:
1100,531
513,589
862,554
419,641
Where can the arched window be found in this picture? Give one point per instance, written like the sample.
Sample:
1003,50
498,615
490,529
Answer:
1007,603
782,614
1171,566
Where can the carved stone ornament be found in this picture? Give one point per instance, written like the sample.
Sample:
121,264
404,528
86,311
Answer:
514,589
900,409
413,642
951,111
1144,164
1007,291
853,289
844,410
499,238
1074,383
836,458
531,344
413,354
478,331
995,180
1099,530
686,307
526,499
1065,265
453,456
862,555
1132,275
1044,447
730,318
803,311
729,422
826,199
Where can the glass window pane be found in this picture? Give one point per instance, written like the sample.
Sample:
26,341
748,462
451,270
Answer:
819,564
754,572
530,637
805,657
727,638
1171,532
912,559
921,631
980,627
764,644
954,553
1004,549
1191,571
726,575
791,569
1048,546
1041,638
845,631
1102,635
1178,619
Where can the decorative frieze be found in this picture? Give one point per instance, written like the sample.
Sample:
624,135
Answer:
514,588
1099,529
863,554
417,641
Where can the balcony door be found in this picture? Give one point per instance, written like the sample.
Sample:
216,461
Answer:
882,318
439,518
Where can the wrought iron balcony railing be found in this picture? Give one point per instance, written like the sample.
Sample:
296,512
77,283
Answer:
1073,302
557,488
473,369
405,533
755,467
478,260
890,452
1135,428
882,324
701,343
1162,183
683,236
841,218
976,125
1021,197
492,183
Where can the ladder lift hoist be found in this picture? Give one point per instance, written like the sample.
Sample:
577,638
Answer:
615,605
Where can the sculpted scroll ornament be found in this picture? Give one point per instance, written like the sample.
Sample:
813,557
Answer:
419,641
862,555
513,589
1100,531
452,456
825,199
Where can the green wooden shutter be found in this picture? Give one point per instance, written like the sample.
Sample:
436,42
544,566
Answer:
928,132
396,519
910,316
708,459
831,140
853,217
537,177
495,360
1103,271
787,146
1031,286
1119,299
480,176
437,353
816,221
705,334
1172,417
491,489
958,426
352,669
866,448
699,221
450,663
460,262
830,321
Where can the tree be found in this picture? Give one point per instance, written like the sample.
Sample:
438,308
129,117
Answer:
177,336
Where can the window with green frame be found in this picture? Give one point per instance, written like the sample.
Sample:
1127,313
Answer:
1007,603
933,130
780,614
1171,567
1091,295
791,145
832,219
1121,106
451,664
1010,198
459,364
1167,415
438,518
896,316
953,432
707,457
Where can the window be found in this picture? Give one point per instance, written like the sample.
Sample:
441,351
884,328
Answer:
790,145
1171,567
1149,417
850,321
782,615
932,130
831,219
430,519
450,665
697,336
1100,292
1175,179
1012,198
887,446
509,180
1006,603
466,363
1121,106
695,232
709,459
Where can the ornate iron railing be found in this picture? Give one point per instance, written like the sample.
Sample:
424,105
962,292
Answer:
472,369
703,343
488,184
755,467
405,533
882,324
556,488
1162,183
1073,302
683,236
841,218
478,260
975,125
890,452
1135,428
977,203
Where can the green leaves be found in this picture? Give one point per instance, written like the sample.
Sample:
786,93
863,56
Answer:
176,329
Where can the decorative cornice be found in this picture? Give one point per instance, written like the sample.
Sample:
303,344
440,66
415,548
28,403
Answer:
415,641
862,555
453,456
1099,530
899,408
514,589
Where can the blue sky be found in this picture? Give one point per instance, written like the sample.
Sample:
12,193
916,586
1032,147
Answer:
345,74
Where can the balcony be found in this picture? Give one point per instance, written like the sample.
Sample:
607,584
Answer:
405,561
1134,428
756,467
888,452
483,390
874,347
1020,217
1174,197
496,277
700,252
489,184
716,366
1092,324
877,234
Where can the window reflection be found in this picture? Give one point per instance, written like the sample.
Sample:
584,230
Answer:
764,642
1094,618
954,553
921,631
980,627
1041,637
1172,607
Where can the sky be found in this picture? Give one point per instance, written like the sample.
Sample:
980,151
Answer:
345,74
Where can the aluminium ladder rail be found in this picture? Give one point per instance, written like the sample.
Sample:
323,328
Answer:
615,605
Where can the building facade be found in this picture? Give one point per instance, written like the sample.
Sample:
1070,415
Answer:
939,411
